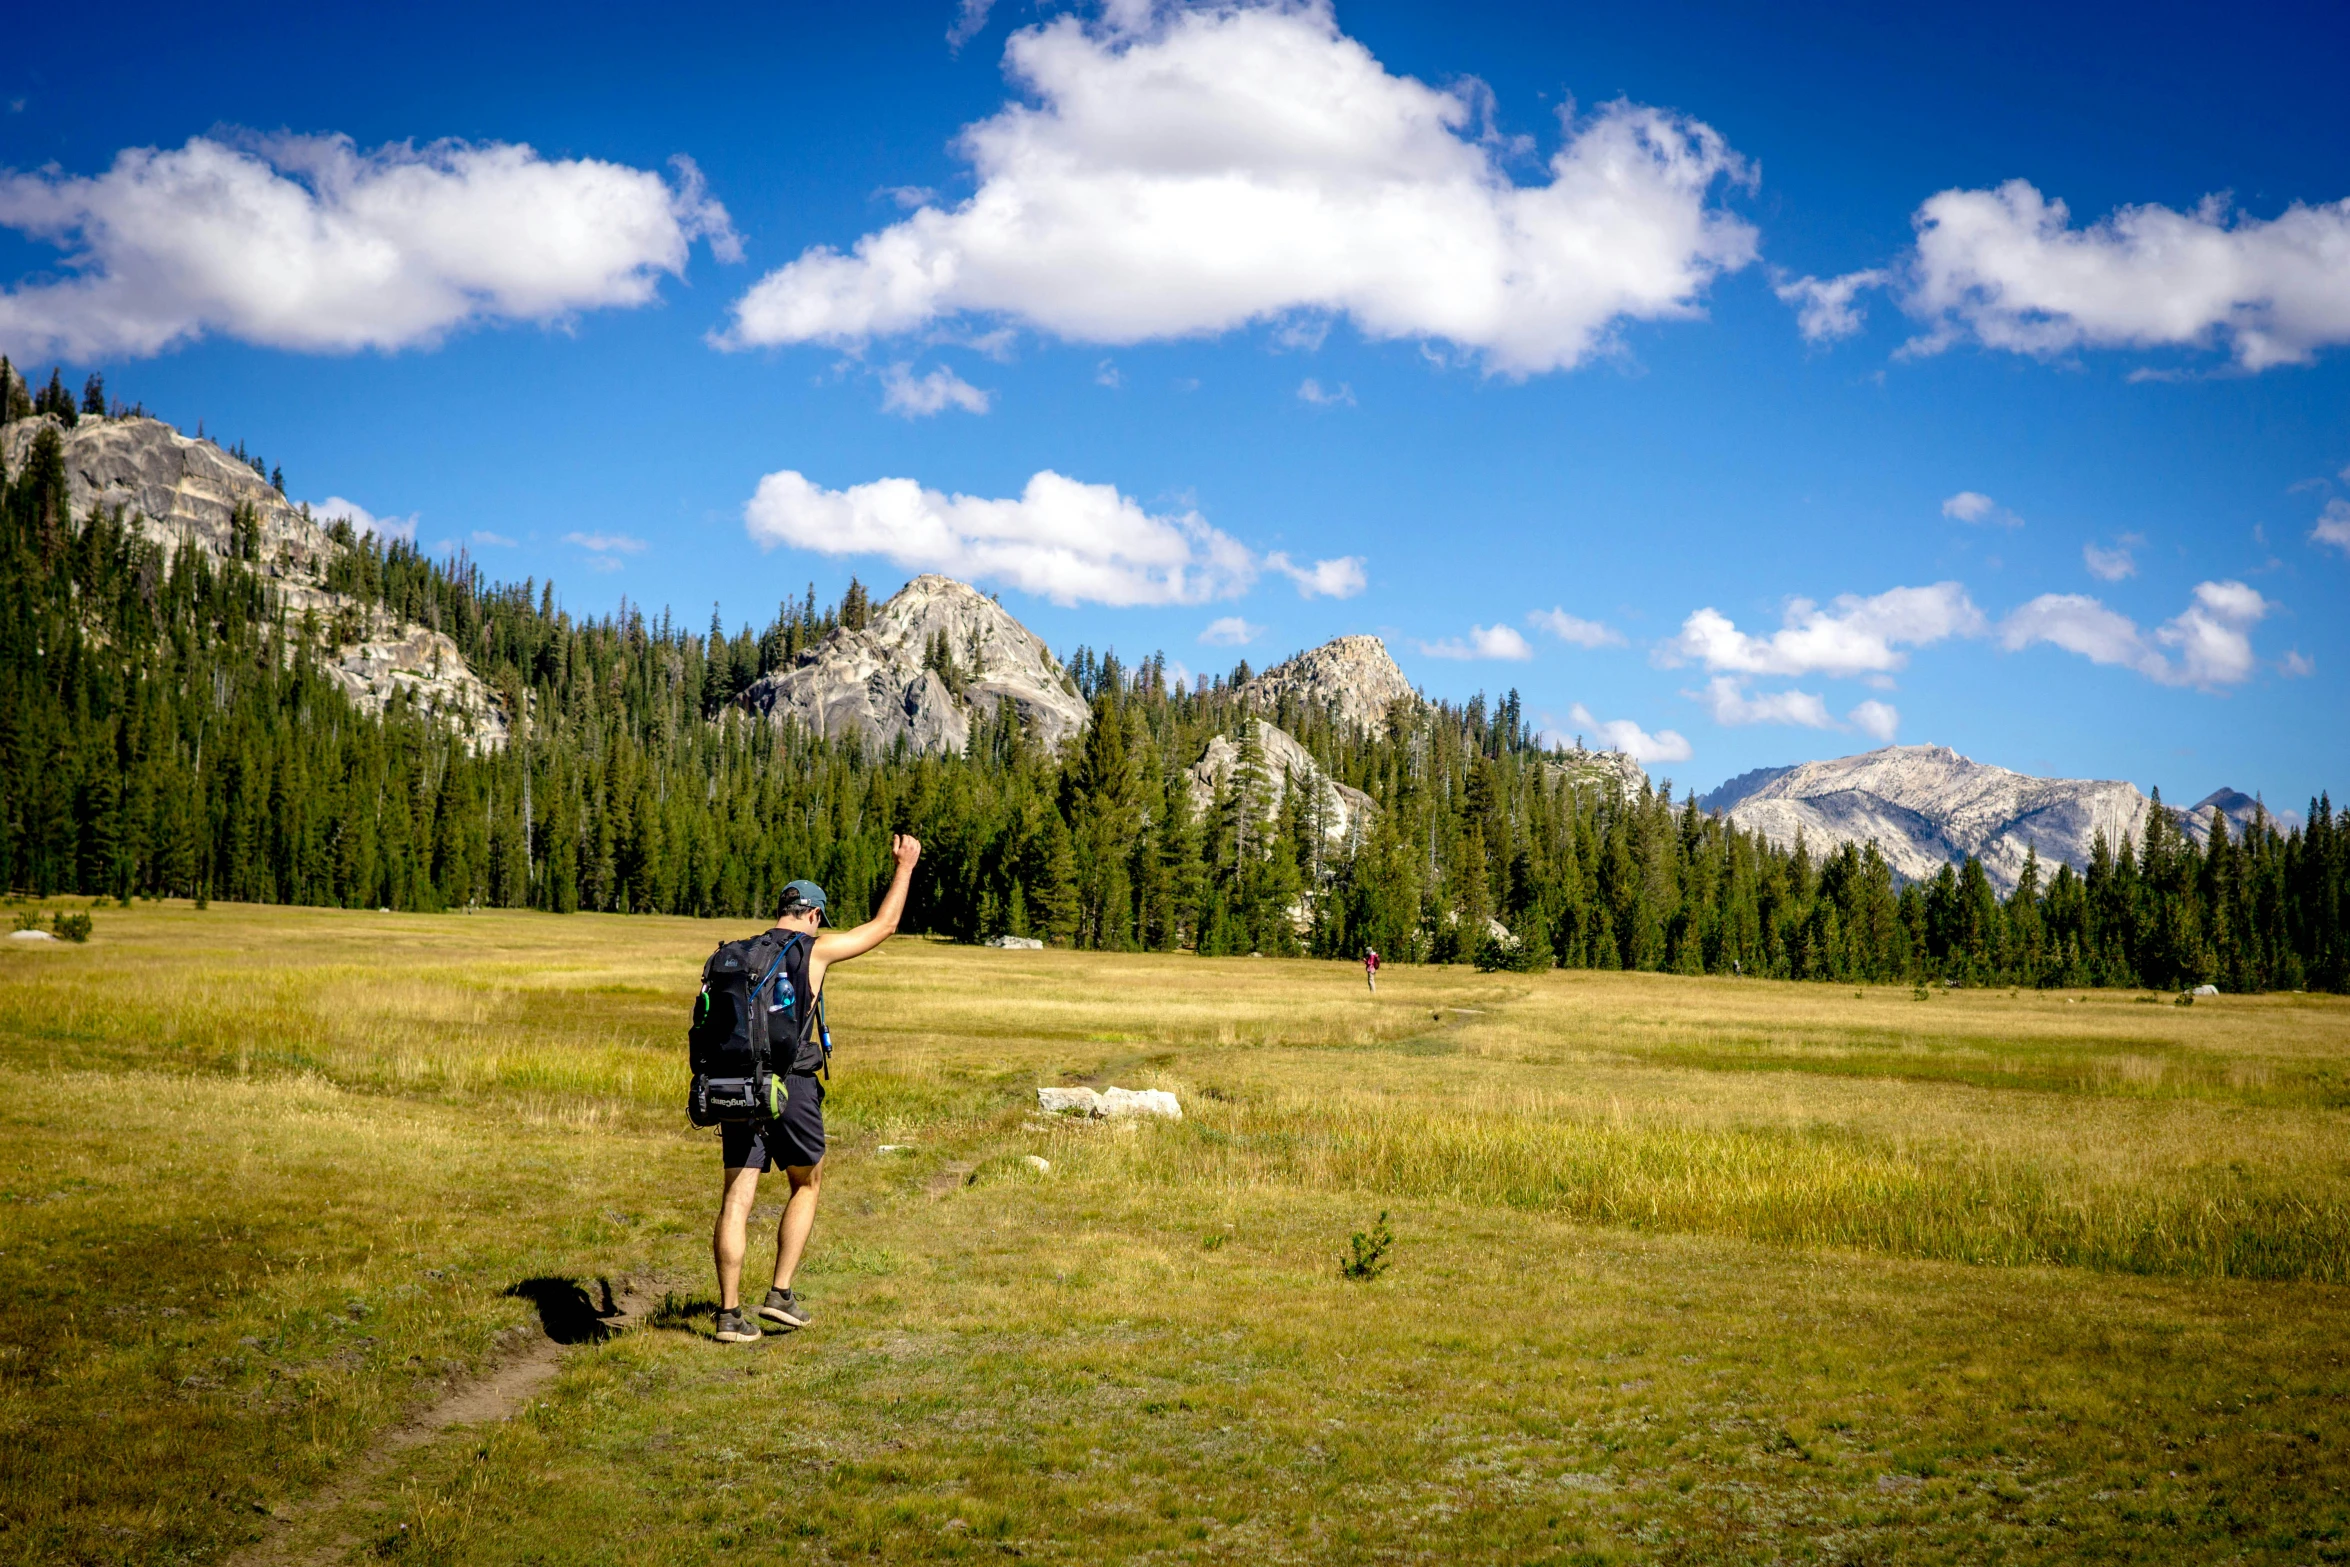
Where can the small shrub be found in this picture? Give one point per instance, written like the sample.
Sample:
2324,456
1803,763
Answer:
1921,993
1213,1241
1368,1257
28,919
73,927
2185,1000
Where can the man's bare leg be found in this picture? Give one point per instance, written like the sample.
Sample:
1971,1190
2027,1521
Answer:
731,1236
799,1218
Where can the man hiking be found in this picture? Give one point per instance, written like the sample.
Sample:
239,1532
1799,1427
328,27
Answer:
1371,968
795,1139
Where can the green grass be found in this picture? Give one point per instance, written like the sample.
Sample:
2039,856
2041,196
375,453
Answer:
1684,1270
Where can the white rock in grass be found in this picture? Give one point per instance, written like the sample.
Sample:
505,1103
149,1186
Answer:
30,935
1142,1101
1065,1101
1039,1165
2204,990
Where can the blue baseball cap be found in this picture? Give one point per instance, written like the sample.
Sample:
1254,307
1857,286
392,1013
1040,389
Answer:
803,894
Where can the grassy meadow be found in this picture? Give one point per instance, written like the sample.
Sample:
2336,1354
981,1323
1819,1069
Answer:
1684,1270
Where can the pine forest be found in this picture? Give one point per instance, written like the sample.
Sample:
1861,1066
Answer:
166,731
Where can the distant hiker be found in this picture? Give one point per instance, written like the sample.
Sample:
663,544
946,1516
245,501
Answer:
794,1138
1371,968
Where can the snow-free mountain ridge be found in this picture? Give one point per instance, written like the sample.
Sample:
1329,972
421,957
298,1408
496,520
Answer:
1926,806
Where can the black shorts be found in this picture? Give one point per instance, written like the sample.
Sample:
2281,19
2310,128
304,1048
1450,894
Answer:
794,1138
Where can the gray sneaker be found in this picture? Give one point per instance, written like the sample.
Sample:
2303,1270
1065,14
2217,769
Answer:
785,1309
734,1328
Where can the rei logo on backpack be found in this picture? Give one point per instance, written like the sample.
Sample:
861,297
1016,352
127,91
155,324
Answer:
754,998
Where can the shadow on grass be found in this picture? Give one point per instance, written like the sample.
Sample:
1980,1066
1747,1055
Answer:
568,1314
680,1314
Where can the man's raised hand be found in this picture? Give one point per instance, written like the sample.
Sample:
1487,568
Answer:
905,848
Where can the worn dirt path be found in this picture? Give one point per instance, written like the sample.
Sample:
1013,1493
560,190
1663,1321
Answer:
497,1393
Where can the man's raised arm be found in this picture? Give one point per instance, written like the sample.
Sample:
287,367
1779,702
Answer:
838,946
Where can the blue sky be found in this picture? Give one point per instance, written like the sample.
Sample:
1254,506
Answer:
1312,331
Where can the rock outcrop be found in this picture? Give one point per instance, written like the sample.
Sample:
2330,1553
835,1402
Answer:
1287,763
1612,770
175,490
879,681
1352,678
1926,806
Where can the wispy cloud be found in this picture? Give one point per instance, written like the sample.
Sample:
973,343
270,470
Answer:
1575,629
1826,310
483,538
606,543
1496,642
902,392
1728,702
1230,631
2114,564
1310,391
1972,506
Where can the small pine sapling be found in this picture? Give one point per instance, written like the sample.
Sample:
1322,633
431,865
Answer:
1368,1253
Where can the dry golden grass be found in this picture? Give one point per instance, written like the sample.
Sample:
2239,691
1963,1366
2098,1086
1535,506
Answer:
1686,1269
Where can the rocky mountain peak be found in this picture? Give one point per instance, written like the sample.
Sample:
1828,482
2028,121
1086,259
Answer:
935,658
1352,678
1926,806
176,489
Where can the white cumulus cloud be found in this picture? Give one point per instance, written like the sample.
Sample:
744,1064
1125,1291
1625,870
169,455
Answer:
1575,629
1824,308
1853,636
1230,631
2209,644
1341,578
1877,720
365,522
2333,526
2006,268
1185,171
1622,734
1060,539
305,243
919,397
1502,642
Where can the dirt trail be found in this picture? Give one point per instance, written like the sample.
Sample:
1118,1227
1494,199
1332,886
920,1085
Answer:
492,1396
